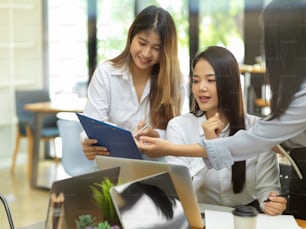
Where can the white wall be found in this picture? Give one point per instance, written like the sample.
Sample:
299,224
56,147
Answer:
21,60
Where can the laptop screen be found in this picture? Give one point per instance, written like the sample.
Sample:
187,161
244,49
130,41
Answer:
131,170
150,202
71,198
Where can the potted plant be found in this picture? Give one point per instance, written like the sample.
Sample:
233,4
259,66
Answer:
102,197
103,200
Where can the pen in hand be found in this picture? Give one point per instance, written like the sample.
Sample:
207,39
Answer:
279,195
145,126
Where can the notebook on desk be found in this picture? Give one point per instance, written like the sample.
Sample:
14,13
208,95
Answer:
70,198
131,170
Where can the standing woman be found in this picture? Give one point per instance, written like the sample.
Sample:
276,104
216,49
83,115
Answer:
142,84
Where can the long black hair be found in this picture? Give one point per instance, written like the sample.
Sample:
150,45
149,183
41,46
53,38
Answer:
230,99
285,51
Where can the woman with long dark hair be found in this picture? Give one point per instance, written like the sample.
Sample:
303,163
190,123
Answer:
216,89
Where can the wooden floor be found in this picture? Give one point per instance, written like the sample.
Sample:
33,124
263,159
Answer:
27,205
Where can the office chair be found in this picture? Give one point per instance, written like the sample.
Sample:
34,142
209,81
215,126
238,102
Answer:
25,124
73,160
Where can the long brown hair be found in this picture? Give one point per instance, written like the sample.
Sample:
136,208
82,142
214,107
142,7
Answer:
230,99
166,79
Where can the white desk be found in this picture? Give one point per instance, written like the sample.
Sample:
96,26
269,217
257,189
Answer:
38,225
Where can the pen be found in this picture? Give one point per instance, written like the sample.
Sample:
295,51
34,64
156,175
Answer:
145,126
279,195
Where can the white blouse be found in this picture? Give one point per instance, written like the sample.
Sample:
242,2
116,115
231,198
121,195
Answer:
214,186
112,97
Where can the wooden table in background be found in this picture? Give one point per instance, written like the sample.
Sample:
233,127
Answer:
40,109
301,223
247,71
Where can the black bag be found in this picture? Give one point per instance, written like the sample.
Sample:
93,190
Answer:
296,204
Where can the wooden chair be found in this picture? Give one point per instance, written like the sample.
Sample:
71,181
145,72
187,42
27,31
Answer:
25,124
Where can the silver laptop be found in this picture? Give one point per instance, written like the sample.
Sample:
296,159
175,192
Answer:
131,170
150,202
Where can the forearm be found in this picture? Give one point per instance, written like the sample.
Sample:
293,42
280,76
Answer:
187,150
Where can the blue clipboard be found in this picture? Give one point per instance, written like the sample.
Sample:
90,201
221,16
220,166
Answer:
118,141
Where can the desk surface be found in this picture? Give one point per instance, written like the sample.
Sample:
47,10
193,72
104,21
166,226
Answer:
39,225
301,223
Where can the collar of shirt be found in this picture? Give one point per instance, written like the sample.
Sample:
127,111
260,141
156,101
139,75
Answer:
123,72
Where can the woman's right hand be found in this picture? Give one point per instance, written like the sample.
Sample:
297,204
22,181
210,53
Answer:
213,126
92,151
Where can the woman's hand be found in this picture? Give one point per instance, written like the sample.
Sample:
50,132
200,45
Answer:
212,127
152,146
144,129
92,151
275,205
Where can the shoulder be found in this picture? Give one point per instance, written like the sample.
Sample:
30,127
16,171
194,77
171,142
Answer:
107,68
183,120
250,120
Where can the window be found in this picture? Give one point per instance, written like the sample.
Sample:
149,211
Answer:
221,23
67,46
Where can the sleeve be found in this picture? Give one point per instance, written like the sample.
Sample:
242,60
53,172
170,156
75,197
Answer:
264,135
174,132
174,135
267,176
177,134
99,95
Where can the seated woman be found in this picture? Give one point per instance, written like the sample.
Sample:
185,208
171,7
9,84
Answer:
218,105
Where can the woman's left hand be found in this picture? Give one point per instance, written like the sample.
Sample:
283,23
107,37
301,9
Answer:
276,204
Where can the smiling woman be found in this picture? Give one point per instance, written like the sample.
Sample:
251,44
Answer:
147,76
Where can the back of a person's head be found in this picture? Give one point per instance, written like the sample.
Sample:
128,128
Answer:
285,50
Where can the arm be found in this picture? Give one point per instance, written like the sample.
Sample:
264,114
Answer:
99,94
157,147
268,184
97,107
183,130
263,136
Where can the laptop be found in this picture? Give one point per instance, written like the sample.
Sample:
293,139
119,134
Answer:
150,202
131,170
72,197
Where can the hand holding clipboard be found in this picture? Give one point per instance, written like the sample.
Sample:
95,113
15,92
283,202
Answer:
119,142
